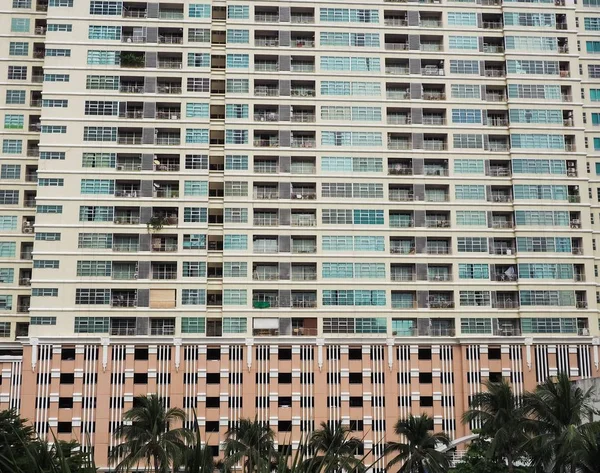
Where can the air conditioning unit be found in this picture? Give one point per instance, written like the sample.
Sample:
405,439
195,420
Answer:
27,230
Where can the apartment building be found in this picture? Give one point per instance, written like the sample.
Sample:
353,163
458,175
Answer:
272,208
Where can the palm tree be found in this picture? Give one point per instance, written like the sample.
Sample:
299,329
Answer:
500,421
148,439
558,412
588,455
197,458
418,451
251,441
335,450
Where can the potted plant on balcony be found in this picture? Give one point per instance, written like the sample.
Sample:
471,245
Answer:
156,223
130,59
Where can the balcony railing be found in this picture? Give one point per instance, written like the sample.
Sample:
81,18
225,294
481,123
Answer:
132,114
127,220
434,96
503,277
168,140
300,117
266,221
399,170
266,142
302,92
402,196
399,144
302,18
397,46
133,39
261,91
131,89
492,25
303,43
304,221
135,13
505,304
168,89
129,193
303,143
304,276
399,119
266,117
402,250
405,277
437,250
397,70
264,194
129,139
441,304
266,42
126,247
266,17
122,301
395,22
170,39
169,64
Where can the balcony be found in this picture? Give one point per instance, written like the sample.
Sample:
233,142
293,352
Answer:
132,88
170,39
168,89
266,142
263,91
303,221
492,25
302,18
170,64
303,142
266,17
492,72
302,92
303,117
127,220
129,139
128,299
438,250
505,304
441,304
401,196
399,144
167,140
271,221
266,193
432,71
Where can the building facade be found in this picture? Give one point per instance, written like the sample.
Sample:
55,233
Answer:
337,211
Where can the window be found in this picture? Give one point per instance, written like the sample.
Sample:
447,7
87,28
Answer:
591,24
100,7
349,16
473,271
5,302
474,298
354,298
46,264
196,110
463,42
91,324
9,197
193,297
458,66
49,209
97,186
88,213
8,249
8,222
12,146
469,192
521,91
56,27
46,236
16,48
238,37
193,325
198,35
104,32
472,245
15,97
467,116
236,188
194,242
195,188
7,275
465,91
102,82
55,103
194,214
92,296
95,240
235,269
101,107
197,84
237,86
462,19
54,129
61,3
198,59
469,166
44,292
471,218
21,3
476,326
17,72
541,218
94,268
196,161
99,133
58,53
196,135
42,321
235,297
548,325
235,242
237,137
194,269
10,171
52,155
51,182
233,110
468,141
238,61
98,160
532,67
547,20
237,162
238,12
197,10
235,325
4,329
235,215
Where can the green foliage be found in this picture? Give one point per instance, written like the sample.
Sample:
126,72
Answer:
558,413
419,449
500,421
479,460
22,452
335,449
146,438
251,443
